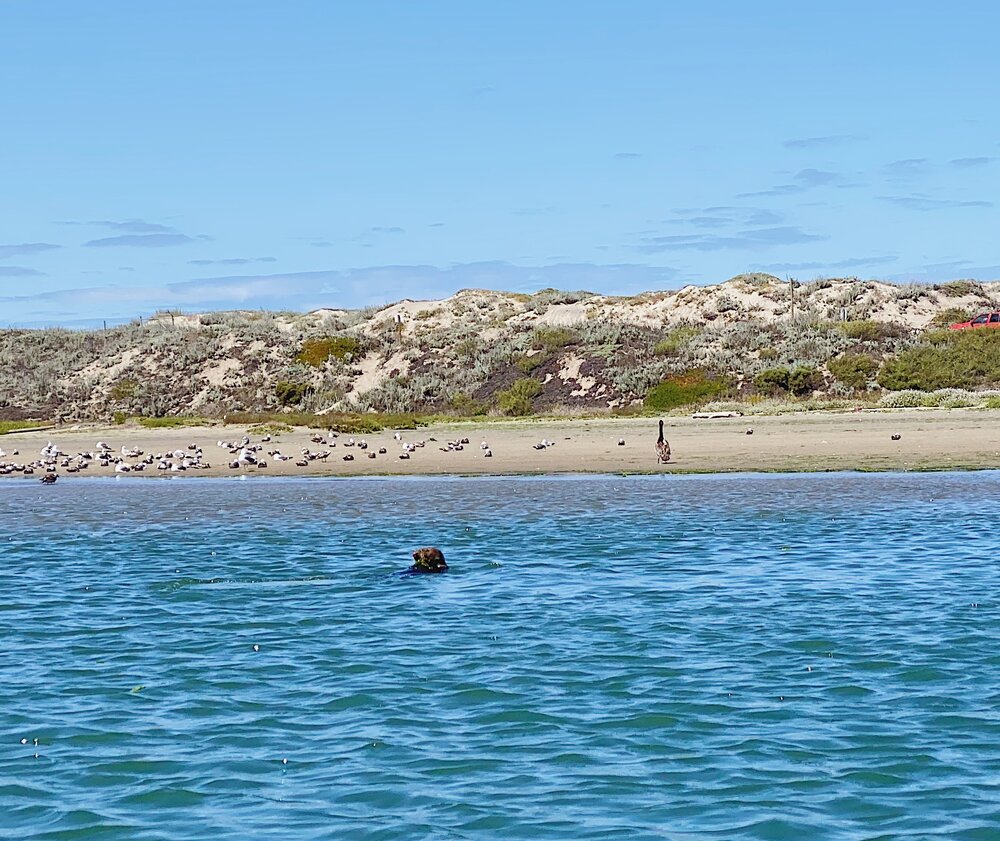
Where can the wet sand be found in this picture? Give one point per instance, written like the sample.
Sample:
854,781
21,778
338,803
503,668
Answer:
936,439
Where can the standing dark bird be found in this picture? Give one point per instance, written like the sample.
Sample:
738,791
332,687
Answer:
662,448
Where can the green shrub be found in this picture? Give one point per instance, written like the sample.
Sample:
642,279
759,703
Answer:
124,390
803,380
467,406
467,349
173,422
551,339
672,343
684,390
871,331
854,370
768,354
959,288
291,394
316,352
951,316
527,364
120,418
956,359
350,422
772,380
14,426
269,429
518,399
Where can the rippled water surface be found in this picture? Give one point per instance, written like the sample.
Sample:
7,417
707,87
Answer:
797,657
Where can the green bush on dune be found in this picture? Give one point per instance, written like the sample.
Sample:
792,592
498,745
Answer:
684,390
519,398
799,381
291,394
316,352
959,359
855,370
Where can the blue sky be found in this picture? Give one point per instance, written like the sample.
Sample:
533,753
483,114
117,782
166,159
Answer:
243,153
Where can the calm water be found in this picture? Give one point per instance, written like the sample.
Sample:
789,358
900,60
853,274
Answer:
793,657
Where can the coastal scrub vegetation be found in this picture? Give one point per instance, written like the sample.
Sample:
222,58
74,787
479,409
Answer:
14,426
686,389
316,352
946,359
753,338
173,422
337,421
518,399
854,370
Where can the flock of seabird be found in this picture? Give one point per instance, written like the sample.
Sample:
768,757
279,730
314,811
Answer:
130,460
241,454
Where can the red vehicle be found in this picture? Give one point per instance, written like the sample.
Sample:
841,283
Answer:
986,319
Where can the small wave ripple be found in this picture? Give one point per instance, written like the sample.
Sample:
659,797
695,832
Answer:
644,658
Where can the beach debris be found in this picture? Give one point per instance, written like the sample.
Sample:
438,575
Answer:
662,447
895,436
428,559
714,415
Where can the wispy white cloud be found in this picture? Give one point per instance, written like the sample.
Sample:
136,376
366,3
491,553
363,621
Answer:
132,226
849,263
969,163
233,261
26,248
141,241
751,239
920,202
823,141
19,271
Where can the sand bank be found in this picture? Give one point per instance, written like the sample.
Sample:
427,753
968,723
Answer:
929,440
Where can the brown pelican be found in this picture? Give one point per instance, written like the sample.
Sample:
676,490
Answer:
662,448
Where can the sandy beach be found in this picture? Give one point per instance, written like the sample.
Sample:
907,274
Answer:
928,440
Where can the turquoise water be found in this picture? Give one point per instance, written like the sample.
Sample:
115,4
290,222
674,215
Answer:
774,657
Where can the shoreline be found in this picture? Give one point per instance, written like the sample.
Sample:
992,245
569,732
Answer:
930,440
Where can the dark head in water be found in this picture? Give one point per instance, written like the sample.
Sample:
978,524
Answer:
428,559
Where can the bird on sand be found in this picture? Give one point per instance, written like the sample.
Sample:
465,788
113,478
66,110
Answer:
662,448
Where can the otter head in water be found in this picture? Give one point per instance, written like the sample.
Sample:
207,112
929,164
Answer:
428,559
